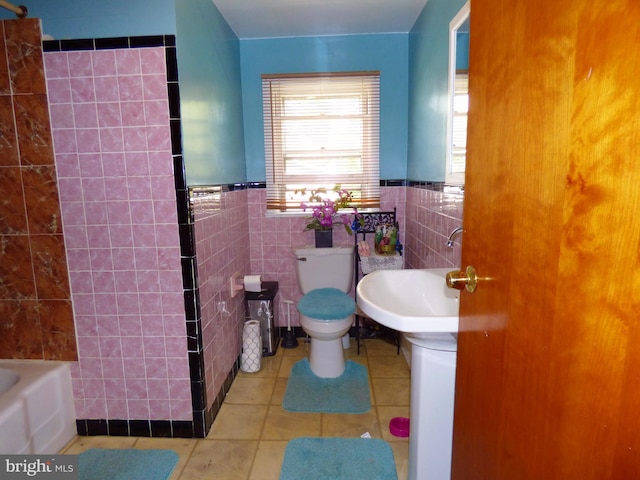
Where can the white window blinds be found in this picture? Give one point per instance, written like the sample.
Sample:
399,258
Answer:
321,130
460,110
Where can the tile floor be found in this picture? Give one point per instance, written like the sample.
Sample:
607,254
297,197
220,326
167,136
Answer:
248,437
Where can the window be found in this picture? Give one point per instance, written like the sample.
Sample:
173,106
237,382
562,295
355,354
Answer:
321,130
459,129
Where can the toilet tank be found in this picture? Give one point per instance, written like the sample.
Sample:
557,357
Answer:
324,268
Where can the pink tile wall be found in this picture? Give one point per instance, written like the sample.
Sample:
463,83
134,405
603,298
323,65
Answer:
222,232
430,217
273,239
110,124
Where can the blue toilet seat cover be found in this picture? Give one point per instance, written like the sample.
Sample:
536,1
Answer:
326,304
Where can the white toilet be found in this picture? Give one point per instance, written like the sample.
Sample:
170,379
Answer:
326,311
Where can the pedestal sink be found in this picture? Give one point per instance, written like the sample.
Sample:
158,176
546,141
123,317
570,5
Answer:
418,303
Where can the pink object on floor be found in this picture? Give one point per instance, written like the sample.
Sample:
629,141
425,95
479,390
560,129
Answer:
399,427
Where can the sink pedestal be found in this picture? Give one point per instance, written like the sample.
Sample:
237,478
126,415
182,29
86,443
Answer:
418,303
433,375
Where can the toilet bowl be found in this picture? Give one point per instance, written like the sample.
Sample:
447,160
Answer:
326,311
326,314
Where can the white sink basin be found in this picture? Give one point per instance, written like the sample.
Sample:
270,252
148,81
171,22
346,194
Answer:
410,301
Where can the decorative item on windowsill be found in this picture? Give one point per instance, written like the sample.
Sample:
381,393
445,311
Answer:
324,213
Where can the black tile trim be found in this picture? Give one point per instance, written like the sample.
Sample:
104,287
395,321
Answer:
393,183
174,100
198,395
143,428
182,197
115,42
192,304
189,272
176,136
148,41
80,44
118,428
180,181
196,366
182,429
437,186
111,43
140,428
230,187
161,428
172,64
187,239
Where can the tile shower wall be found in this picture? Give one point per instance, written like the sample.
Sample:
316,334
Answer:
433,211
272,241
36,318
222,232
110,119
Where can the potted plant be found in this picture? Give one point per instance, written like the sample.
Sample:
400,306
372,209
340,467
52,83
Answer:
324,213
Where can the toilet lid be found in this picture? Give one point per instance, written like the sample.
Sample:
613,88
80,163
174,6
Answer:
326,304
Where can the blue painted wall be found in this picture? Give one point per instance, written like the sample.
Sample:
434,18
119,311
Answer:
210,95
428,91
385,52
462,51
220,79
65,19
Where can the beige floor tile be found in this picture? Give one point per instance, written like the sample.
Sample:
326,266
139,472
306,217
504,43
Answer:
282,425
85,443
182,446
285,366
238,422
268,462
220,460
401,457
391,391
377,347
302,350
341,425
269,368
361,360
352,351
278,391
251,391
385,414
388,367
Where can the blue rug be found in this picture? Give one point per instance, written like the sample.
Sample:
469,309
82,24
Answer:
348,393
338,459
128,464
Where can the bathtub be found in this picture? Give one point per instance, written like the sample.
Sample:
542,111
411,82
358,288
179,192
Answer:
36,407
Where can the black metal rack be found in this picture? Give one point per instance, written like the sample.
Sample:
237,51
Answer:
367,225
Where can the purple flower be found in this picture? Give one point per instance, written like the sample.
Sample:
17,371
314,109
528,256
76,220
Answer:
325,209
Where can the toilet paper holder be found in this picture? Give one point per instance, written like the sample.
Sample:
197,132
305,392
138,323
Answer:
236,284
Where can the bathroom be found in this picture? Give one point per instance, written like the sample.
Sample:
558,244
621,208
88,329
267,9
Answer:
195,354
215,173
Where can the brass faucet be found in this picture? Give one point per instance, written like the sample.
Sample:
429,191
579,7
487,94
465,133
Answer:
453,235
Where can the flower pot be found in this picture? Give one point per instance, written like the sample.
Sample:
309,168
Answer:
324,238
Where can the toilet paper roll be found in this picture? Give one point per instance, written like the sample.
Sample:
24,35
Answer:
251,359
252,283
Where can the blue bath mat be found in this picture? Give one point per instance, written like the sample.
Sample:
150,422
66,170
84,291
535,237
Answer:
338,459
127,464
348,393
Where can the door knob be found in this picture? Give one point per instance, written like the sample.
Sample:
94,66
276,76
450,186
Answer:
461,280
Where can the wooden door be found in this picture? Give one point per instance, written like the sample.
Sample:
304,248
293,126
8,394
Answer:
548,378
